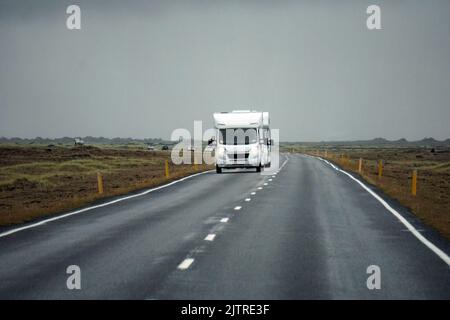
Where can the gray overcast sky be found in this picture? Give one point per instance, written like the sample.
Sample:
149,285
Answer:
143,68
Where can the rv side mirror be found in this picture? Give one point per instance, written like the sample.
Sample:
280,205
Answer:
270,142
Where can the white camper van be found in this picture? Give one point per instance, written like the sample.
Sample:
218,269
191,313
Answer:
243,140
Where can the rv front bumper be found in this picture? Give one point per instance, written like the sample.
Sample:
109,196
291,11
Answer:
237,163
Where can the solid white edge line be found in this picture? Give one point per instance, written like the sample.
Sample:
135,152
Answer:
9,232
441,254
186,263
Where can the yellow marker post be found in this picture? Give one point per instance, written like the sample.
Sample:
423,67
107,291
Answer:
167,168
99,183
360,165
380,168
414,183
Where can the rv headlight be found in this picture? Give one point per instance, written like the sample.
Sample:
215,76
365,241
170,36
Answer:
220,152
254,151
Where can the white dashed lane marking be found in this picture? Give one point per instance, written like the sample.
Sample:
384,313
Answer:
265,184
185,264
210,237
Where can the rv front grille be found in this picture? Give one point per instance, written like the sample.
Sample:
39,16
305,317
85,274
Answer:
237,156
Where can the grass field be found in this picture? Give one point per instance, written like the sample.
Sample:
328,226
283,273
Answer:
38,181
432,201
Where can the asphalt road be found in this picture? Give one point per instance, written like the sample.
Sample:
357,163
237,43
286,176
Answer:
310,233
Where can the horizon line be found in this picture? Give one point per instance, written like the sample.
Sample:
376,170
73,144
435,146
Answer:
284,141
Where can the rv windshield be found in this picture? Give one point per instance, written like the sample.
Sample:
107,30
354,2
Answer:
238,136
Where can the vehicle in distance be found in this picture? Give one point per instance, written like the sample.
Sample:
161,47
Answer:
243,140
78,142
164,147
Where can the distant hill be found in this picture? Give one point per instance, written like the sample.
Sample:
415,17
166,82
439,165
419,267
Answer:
380,142
376,142
88,140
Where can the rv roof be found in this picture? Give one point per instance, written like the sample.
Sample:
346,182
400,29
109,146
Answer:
239,111
241,119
